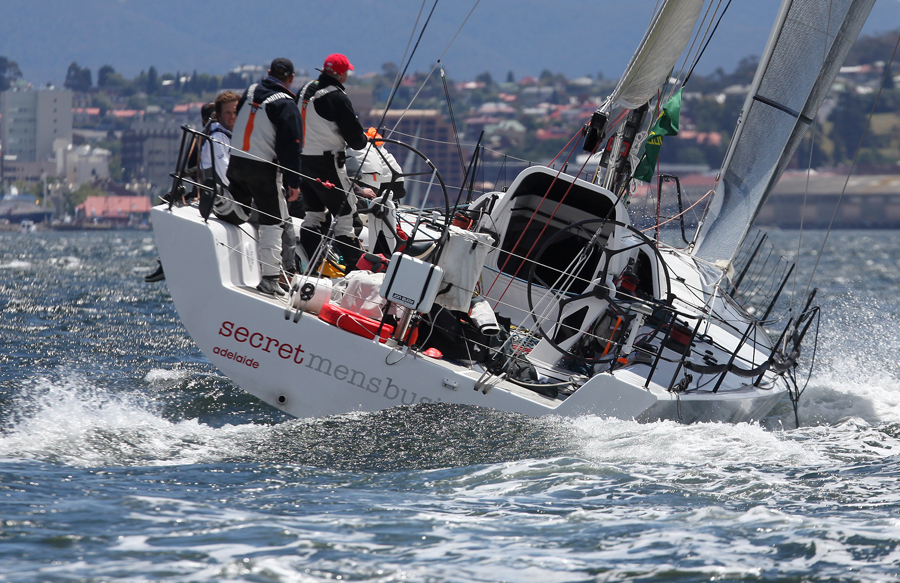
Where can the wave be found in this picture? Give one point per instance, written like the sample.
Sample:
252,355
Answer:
76,423
179,417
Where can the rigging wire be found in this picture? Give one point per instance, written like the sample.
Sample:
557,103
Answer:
887,72
697,37
400,76
462,163
502,170
412,34
430,73
709,38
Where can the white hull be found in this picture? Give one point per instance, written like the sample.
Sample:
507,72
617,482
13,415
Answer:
311,368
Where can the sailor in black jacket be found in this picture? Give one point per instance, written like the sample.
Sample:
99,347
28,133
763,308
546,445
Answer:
268,129
329,126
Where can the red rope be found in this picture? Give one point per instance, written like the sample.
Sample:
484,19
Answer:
531,218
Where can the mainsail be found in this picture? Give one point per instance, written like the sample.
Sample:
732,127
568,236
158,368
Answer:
805,51
662,45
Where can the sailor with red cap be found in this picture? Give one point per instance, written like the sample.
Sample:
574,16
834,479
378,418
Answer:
329,126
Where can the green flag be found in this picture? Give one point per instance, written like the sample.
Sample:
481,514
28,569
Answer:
666,125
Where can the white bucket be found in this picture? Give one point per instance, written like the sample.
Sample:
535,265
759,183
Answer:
305,298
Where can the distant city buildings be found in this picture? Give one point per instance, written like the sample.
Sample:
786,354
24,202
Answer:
150,151
80,164
33,126
520,122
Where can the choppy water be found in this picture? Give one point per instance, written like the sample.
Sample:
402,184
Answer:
125,456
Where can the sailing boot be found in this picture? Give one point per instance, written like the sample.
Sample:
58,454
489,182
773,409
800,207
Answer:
270,286
346,243
157,275
270,259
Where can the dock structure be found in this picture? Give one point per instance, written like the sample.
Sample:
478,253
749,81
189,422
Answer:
869,201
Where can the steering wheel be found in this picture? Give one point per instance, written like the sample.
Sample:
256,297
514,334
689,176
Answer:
580,270
378,205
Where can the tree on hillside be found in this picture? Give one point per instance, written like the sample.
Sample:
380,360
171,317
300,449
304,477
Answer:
152,81
485,78
389,69
9,72
848,122
870,48
100,100
719,79
107,78
78,78
232,81
103,75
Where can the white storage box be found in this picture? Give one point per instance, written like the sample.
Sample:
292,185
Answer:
411,282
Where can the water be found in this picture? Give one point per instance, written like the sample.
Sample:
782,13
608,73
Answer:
125,456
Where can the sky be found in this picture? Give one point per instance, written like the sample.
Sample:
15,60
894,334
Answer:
574,37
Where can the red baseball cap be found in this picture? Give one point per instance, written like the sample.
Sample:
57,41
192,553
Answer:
337,64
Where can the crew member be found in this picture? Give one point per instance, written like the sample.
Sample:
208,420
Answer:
268,129
220,132
378,185
330,125
207,112
374,169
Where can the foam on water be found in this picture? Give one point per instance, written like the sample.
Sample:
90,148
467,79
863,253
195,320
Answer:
700,444
621,500
165,376
15,264
66,262
80,424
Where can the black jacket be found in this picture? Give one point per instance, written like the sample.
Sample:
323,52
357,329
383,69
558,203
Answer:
285,117
336,107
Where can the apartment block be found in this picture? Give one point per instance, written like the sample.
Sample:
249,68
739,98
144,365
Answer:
33,125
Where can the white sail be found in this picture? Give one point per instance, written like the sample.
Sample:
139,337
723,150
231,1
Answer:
662,45
805,51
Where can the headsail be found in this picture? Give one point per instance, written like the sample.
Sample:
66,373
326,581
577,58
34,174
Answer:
662,45
806,49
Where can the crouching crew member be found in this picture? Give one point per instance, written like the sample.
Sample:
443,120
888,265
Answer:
268,129
329,126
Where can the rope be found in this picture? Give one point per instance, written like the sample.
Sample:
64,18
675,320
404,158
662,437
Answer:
670,219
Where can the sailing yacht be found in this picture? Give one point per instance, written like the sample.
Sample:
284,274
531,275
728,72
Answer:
548,298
